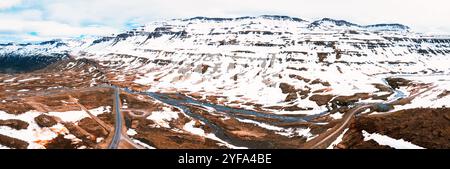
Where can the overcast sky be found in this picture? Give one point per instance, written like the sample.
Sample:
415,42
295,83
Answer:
34,20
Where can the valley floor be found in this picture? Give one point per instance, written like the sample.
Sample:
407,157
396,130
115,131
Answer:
74,106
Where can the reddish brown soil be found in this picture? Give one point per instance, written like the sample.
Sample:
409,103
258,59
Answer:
14,123
107,118
425,127
165,138
291,97
382,88
146,105
13,142
54,101
397,82
95,98
287,88
44,120
82,134
61,143
354,139
321,99
318,81
52,92
347,100
298,77
322,56
204,68
92,127
15,108
251,135
429,128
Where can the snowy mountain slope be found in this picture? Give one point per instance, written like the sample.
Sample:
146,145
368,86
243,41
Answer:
33,56
47,47
276,63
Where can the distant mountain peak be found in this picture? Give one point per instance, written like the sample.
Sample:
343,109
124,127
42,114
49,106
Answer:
57,42
392,26
333,21
207,19
271,17
282,17
382,26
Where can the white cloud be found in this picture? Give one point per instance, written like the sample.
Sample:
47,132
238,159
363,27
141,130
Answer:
421,15
46,30
29,14
9,3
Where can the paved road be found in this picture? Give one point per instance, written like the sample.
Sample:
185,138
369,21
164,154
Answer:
120,134
118,124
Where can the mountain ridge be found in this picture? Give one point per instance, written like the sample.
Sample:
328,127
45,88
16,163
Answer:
272,17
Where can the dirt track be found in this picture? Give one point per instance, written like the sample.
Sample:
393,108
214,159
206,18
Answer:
324,139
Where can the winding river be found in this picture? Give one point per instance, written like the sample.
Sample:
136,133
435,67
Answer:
183,100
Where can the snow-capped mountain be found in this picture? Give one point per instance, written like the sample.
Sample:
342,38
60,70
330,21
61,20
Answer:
274,61
332,24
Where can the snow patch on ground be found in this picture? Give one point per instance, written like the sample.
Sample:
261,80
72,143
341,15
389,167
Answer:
3,147
429,99
162,118
189,127
263,125
99,139
337,115
131,132
388,141
9,80
142,144
70,116
73,116
34,134
29,79
37,136
73,138
100,110
338,140
289,132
